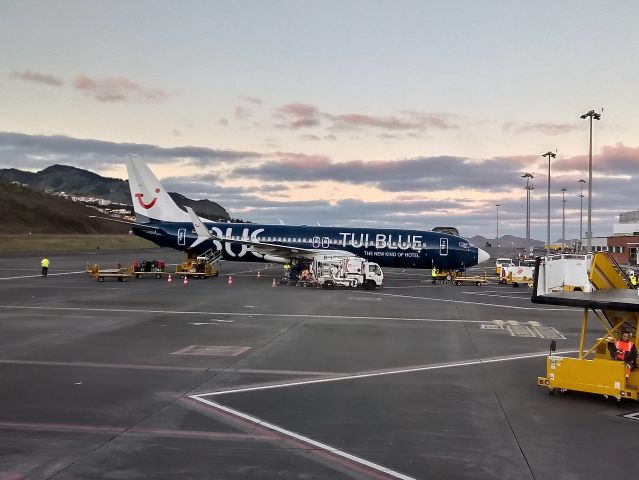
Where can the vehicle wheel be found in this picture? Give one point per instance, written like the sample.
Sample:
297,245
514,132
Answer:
478,284
100,279
515,285
458,283
158,276
124,279
139,275
551,391
370,285
216,274
502,281
182,277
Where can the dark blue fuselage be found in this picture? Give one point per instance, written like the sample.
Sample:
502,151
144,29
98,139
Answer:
387,247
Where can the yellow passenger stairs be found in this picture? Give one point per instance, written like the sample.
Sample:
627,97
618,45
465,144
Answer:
606,274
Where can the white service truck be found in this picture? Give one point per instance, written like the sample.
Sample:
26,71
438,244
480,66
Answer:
516,275
347,272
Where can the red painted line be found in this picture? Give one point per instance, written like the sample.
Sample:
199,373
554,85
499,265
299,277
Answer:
103,365
114,430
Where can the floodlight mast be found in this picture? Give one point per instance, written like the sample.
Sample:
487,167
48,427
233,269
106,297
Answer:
497,237
529,186
550,155
563,218
597,116
581,211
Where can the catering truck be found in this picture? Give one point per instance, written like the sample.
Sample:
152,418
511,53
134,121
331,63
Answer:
346,272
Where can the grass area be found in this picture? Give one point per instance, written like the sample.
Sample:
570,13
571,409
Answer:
57,243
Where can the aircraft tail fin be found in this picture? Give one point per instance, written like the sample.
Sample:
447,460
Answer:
150,199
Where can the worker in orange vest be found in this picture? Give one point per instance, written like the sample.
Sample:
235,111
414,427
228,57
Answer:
626,351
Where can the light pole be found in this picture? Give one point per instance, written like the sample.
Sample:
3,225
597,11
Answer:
591,114
529,186
497,237
550,155
563,219
581,210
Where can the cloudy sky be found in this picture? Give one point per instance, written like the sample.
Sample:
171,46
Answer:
388,113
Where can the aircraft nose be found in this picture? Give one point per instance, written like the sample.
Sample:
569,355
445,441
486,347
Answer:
482,255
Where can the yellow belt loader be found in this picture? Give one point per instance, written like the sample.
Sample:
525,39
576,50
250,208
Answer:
604,292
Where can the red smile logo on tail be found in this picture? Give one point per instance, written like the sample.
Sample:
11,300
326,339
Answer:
151,203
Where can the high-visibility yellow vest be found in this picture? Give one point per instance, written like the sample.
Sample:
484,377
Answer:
633,280
433,272
45,262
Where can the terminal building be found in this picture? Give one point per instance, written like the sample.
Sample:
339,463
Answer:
623,245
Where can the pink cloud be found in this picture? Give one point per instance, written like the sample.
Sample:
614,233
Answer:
300,161
297,115
118,89
242,112
613,159
410,121
545,128
29,76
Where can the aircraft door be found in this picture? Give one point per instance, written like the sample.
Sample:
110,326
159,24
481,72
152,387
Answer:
443,246
325,242
181,236
316,242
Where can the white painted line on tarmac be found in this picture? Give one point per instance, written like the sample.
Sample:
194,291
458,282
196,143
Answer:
235,314
263,424
479,303
356,376
498,296
306,440
39,275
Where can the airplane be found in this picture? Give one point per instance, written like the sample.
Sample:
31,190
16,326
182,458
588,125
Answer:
160,220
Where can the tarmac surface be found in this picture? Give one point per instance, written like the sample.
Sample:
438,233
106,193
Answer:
242,380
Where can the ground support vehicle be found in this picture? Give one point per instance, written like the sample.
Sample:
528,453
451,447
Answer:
605,294
443,276
503,262
472,280
121,274
517,275
149,268
196,268
346,272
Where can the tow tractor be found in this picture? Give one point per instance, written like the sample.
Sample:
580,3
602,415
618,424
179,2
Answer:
603,290
197,267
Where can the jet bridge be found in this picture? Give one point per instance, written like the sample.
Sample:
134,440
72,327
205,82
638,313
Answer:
600,287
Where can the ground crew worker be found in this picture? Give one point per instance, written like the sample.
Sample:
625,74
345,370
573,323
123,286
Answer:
625,351
45,266
633,279
433,274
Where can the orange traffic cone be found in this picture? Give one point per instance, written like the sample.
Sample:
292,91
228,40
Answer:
186,280
230,280
274,284
169,279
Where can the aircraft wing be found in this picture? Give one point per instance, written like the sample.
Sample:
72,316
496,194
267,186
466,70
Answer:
202,232
262,248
